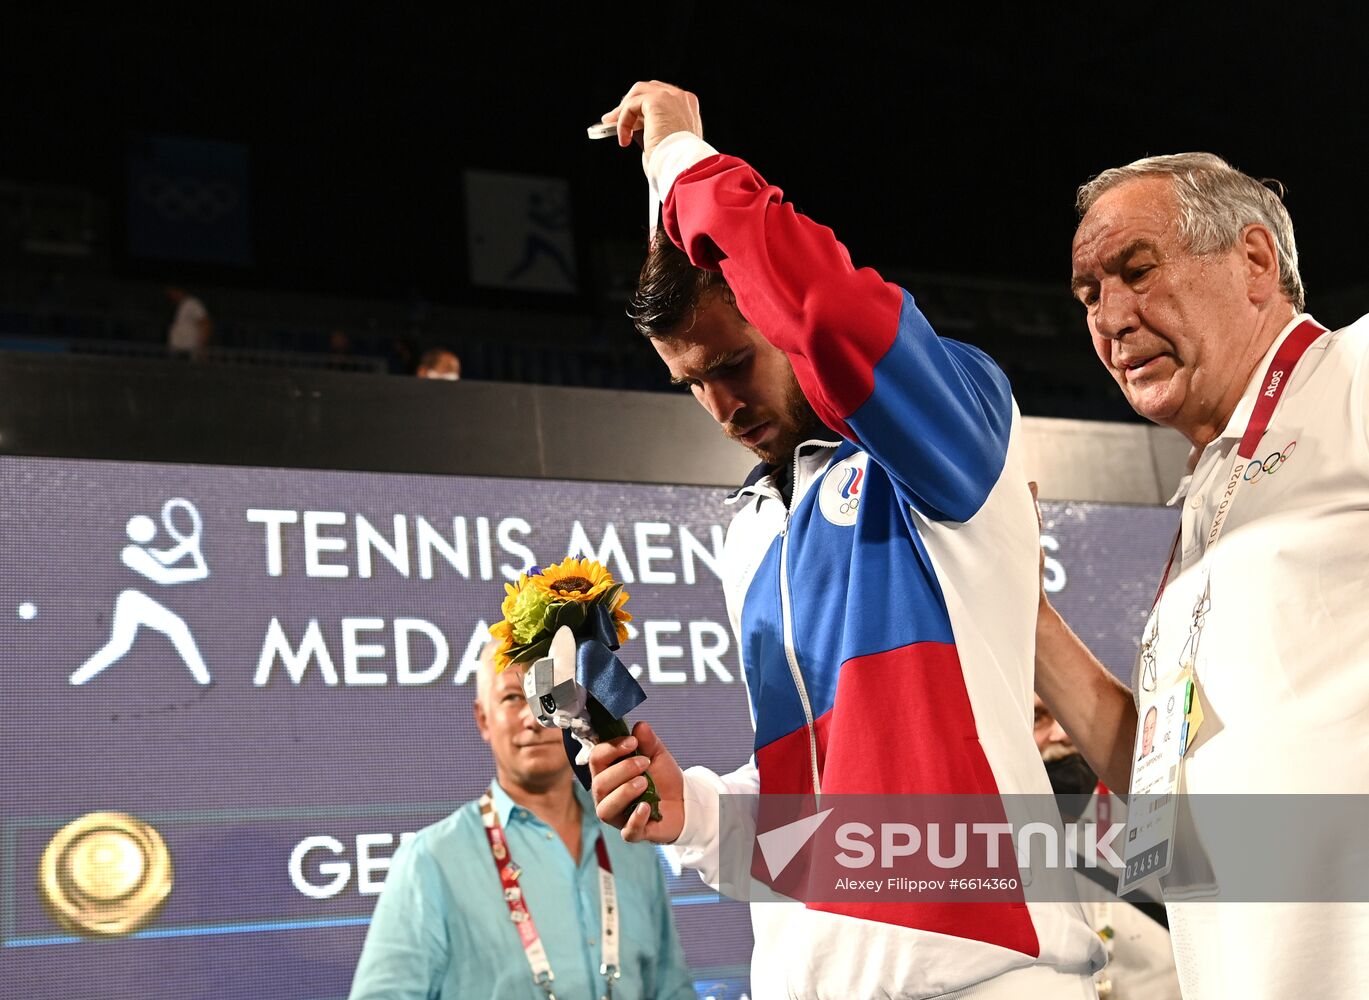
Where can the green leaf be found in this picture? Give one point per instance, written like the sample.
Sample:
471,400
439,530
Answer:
532,651
609,596
572,615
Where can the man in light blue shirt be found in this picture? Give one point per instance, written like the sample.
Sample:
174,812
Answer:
443,926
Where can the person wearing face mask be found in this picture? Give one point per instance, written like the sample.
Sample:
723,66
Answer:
1135,932
439,363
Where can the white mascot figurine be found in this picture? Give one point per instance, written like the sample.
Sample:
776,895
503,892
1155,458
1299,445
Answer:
556,698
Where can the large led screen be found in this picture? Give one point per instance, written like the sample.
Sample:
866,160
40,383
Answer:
272,671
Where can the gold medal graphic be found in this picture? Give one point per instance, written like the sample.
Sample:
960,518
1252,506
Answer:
104,874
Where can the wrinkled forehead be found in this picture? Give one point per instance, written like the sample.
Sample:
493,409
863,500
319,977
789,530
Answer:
491,684
511,678
1143,209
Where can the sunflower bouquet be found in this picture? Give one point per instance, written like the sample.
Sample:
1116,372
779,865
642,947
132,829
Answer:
565,621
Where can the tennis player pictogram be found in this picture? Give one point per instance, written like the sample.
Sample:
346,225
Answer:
182,562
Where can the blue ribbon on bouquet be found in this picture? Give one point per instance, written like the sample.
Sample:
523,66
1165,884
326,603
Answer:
603,676
600,672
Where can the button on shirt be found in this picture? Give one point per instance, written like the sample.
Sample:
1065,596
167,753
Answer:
1283,664
441,926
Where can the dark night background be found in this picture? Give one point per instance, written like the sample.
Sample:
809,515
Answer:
944,141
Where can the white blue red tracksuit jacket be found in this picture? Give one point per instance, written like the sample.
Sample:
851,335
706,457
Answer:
887,644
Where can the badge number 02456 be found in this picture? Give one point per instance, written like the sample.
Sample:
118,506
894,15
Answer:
1161,740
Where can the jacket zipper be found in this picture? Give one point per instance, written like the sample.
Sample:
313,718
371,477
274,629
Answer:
787,622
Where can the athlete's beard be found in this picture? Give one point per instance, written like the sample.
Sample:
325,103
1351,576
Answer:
796,420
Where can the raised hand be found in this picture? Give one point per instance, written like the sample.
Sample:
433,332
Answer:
657,110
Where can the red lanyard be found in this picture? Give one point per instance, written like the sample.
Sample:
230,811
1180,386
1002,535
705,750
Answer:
1276,379
1280,370
521,916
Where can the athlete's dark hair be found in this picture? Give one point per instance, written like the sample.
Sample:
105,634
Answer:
669,290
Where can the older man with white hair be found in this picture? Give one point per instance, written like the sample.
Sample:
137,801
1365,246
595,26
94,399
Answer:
520,893
1188,271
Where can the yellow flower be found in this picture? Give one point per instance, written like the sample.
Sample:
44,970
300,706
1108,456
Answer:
530,606
621,617
502,632
581,581
584,581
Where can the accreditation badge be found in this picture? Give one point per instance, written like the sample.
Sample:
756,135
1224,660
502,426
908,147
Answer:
1166,720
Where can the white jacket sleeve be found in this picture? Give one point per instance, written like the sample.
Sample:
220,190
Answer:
706,826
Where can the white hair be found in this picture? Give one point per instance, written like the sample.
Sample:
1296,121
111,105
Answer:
485,673
1216,201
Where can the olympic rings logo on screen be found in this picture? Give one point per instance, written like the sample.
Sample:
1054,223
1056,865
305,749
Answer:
1271,464
185,199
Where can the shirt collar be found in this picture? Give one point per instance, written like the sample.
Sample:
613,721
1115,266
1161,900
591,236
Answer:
510,811
1240,416
1245,406
761,479
503,805
1181,491
763,470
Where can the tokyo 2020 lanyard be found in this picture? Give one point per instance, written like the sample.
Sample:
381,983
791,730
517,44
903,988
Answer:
522,917
1276,379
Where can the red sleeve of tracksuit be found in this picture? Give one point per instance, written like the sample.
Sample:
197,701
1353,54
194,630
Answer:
934,413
